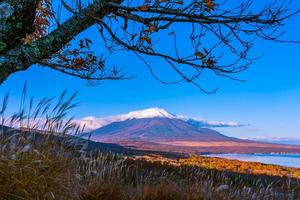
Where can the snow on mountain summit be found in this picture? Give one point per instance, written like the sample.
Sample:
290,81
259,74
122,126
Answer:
150,113
94,123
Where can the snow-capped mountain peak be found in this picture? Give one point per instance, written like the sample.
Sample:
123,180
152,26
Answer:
149,113
92,123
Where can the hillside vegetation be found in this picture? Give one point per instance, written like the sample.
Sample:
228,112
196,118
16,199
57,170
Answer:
241,167
49,170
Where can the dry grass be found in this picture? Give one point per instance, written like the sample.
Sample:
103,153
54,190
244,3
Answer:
48,170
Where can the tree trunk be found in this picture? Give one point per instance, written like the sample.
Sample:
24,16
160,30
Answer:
23,56
16,21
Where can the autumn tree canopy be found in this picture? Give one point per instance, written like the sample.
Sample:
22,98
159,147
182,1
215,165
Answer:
218,34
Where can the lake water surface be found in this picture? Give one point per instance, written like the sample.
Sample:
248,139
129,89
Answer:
290,160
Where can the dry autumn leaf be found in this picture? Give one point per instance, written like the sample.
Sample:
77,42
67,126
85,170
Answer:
210,4
144,8
147,39
200,54
28,40
211,62
152,28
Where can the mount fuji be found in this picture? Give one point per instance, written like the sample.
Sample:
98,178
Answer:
158,130
92,123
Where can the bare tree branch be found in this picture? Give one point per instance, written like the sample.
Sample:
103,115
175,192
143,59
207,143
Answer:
196,35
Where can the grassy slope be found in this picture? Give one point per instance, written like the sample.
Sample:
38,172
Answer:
48,170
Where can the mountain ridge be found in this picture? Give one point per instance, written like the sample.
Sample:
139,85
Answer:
92,123
158,129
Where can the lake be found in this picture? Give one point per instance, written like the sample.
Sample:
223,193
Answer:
289,160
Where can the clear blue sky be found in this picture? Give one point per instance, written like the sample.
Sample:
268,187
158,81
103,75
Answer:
269,101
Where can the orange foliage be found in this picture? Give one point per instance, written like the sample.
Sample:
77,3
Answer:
42,21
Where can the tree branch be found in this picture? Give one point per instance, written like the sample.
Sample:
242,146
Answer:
22,57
